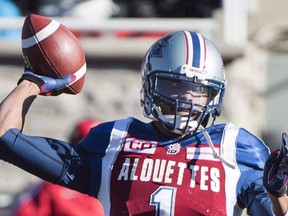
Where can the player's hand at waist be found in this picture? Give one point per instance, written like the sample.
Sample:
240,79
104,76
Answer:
275,174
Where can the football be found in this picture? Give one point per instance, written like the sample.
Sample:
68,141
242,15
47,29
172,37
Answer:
50,49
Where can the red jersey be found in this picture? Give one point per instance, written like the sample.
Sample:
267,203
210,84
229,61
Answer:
143,173
47,199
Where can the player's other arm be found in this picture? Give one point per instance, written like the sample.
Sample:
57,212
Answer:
275,178
15,106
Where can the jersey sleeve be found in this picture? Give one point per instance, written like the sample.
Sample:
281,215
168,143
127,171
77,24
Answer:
251,156
95,145
257,199
50,159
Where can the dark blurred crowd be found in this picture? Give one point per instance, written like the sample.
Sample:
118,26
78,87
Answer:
121,8
96,9
167,8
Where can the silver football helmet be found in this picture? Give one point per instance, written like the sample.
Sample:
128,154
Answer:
177,61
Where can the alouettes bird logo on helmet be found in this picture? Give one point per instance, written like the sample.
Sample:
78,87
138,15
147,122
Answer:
157,50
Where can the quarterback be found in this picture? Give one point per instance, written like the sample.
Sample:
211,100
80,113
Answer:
179,163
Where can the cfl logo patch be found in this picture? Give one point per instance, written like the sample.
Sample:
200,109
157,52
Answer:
139,146
174,149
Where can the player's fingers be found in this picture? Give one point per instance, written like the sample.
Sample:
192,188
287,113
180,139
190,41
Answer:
68,79
56,85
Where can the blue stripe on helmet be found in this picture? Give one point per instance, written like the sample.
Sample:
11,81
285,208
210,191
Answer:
196,50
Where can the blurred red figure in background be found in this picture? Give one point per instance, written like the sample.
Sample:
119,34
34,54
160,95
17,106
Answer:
82,129
47,199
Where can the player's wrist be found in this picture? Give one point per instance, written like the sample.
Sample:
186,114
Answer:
30,86
277,193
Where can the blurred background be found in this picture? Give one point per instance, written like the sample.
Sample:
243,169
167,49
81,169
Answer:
252,37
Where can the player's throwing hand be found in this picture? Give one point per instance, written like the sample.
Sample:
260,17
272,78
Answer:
48,86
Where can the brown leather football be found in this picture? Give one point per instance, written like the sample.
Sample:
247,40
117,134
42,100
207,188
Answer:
50,49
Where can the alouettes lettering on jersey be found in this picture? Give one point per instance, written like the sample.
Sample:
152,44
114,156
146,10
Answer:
192,175
153,179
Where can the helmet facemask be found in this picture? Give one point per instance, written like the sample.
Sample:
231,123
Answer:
176,113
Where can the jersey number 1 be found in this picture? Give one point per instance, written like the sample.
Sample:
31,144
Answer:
164,200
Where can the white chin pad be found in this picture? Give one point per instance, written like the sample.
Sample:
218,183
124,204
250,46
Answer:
180,121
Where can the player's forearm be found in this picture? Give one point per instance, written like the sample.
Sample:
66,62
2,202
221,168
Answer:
280,204
15,106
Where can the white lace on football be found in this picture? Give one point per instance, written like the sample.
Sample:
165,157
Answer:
78,74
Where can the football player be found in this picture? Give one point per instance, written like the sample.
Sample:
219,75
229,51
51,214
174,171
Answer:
179,163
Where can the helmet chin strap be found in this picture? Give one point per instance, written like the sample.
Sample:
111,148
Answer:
181,123
211,145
